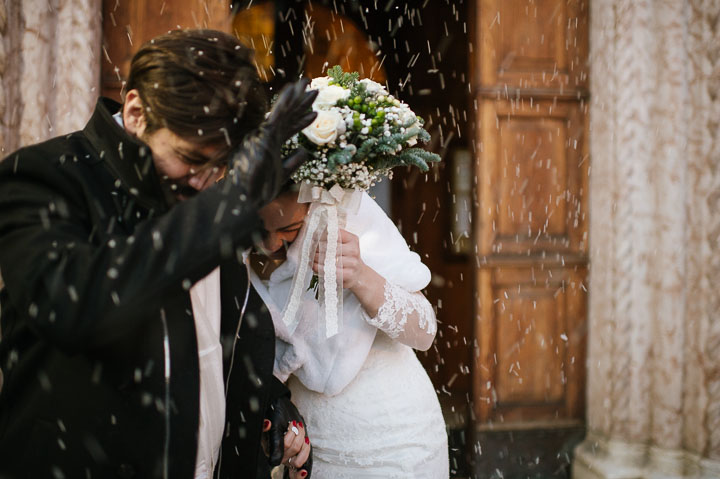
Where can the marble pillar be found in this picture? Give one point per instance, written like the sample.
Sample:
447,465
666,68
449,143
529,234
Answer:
49,68
654,303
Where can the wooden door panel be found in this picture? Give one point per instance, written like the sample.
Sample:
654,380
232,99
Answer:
532,178
534,172
127,25
537,329
529,325
534,43
531,333
521,50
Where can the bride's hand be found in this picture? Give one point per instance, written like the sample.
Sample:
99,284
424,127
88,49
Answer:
354,271
365,283
297,450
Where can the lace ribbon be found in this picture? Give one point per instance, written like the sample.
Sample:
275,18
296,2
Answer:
327,214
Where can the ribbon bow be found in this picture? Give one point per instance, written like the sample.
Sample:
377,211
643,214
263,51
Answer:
328,209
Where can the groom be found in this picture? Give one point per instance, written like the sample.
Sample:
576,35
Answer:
132,344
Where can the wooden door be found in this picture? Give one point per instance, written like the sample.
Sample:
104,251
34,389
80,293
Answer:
127,25
530,85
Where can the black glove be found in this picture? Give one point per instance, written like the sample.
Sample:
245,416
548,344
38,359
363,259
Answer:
281,412
258,161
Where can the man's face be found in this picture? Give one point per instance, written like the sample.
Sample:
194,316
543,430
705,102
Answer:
184,168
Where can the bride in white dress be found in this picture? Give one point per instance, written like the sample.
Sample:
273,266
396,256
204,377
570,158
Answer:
369,405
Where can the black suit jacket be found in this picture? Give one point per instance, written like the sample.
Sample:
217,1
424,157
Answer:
98,348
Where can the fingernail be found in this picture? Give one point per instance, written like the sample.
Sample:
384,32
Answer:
295,423
307,440
266,423
300,424
303,473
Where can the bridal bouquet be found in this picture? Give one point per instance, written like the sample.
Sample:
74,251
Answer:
360,133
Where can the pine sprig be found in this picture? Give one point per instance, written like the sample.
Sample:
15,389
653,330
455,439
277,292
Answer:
342,157
409,157
345,80
418,157
366,148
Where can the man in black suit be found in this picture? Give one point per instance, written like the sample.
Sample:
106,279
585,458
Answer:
105,236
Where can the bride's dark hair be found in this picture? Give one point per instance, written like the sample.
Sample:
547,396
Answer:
289,187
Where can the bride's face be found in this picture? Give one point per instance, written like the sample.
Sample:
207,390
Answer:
283,218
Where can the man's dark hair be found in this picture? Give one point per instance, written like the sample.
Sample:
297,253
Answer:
200,84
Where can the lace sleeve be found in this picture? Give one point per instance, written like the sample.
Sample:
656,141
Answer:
406,317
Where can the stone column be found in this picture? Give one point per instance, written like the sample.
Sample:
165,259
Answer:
49,69
49,79
654,304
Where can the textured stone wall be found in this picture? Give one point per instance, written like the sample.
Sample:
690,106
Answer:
49,68
3,66
654,304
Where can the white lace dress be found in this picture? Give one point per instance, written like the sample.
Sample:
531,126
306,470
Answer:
386,423
370,407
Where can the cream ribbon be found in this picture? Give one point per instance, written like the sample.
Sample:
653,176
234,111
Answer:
328,209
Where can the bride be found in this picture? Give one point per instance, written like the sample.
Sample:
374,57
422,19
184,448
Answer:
370,407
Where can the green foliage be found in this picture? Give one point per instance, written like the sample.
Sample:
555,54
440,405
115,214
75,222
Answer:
400,139
366,148
417,157
345,80
423,135
341,156
358,90
407,157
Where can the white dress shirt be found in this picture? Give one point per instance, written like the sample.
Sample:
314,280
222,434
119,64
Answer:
205,297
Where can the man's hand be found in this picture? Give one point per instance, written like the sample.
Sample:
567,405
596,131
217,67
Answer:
287,442
291,113
258,161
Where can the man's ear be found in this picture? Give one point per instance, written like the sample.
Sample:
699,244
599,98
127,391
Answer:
133,114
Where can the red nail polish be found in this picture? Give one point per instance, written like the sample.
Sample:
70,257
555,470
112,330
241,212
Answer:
266,423
300,424
303,473
295,423
307,440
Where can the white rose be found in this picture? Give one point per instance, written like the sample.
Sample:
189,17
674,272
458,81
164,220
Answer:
326,127
329,96
373,87
318,83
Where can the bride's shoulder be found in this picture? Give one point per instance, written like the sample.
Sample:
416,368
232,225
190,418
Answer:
374,227
369,220
370,213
